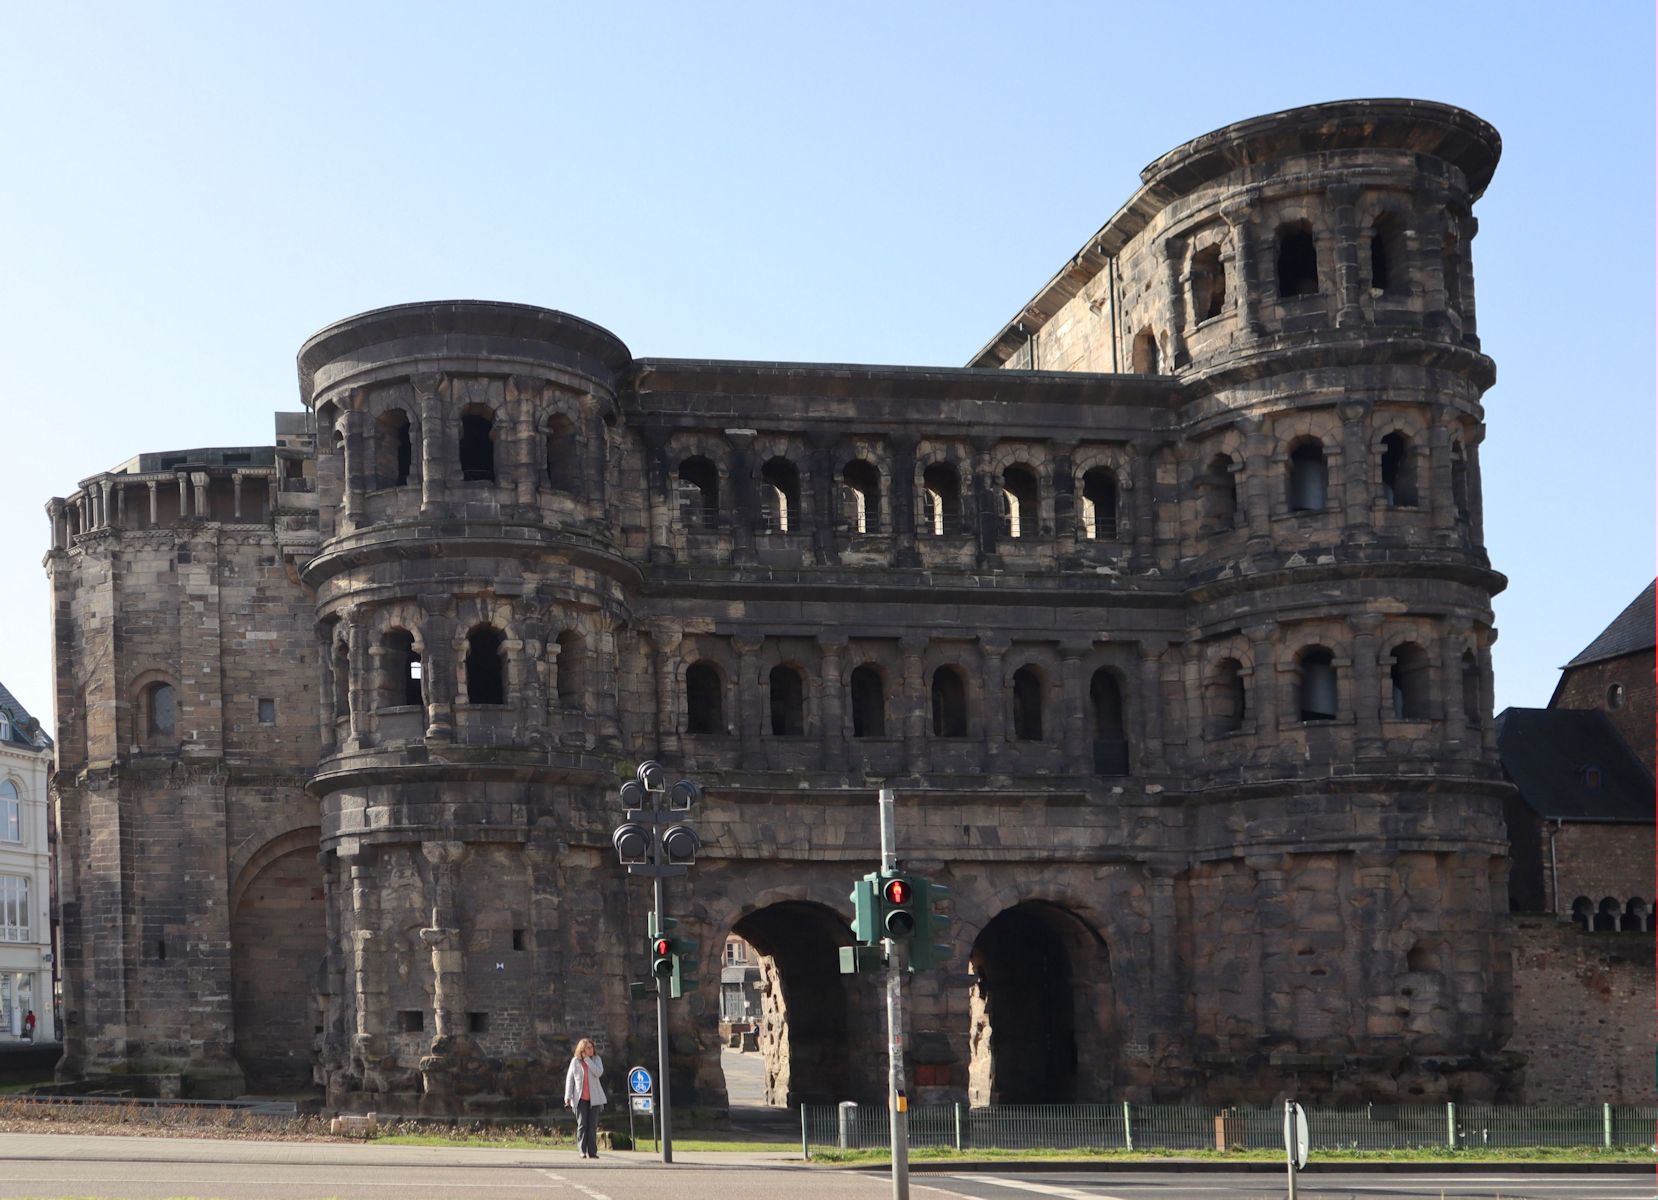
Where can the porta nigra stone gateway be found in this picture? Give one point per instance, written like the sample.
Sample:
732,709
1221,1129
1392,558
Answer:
1168,617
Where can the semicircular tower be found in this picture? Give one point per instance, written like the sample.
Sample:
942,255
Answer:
468,592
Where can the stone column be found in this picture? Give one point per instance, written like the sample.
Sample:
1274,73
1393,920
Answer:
992,648
1138,503
1343,200
1488,728
744,511
1358,498
1151,704
902,499
326,715
665,640
59,523
1240,216
1465,262
434,440
1258,481
358,691
1429,266
438,669
155,507
1065,499
1450,674
518,667
987,502
352,421
367,952
831,648
1174,253
661,507
121,503
1263,696
1167,976
523,400
1441,501
593,488
1189,679
443,936
824,549
1274,928
1367,685
371,690
1077,749
1476,500
917,702
198,483
750,712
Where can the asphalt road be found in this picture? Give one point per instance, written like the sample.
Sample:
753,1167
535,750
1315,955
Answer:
115,1168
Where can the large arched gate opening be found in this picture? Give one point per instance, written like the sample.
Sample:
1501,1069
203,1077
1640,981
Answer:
276,949
814,1023
1042,1009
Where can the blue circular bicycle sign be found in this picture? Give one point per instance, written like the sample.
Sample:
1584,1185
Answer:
639,1081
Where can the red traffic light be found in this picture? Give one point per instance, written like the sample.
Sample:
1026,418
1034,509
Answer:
897,891
662,947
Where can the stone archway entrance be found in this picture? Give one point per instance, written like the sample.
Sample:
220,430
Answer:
816,1038
1042,1009
277,940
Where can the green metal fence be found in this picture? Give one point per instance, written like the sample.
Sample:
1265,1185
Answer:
1124,1126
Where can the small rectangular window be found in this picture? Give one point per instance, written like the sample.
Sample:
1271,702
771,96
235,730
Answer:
477,1022
267,711
517,939
411,1020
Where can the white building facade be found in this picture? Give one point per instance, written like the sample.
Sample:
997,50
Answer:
25,875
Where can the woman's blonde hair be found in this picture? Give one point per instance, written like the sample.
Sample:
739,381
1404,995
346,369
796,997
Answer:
585,1044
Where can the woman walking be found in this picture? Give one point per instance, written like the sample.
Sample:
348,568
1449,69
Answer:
583,1094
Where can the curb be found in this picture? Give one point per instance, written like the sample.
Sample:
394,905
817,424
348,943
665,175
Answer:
1252,1167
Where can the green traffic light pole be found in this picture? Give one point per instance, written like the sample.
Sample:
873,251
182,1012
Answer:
659,900
897,1107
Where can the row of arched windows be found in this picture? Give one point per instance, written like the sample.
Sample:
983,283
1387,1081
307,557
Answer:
941,513
394,459
401,679
1612,916
949,706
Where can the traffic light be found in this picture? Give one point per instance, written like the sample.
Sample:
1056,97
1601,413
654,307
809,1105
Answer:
633,842
931,946
634,796
682,795
680,844
898,920
865,905
663,965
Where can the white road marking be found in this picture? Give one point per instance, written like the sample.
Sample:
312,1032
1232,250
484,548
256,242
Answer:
1040,1189
590,1193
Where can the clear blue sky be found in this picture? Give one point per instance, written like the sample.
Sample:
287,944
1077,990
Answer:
191,189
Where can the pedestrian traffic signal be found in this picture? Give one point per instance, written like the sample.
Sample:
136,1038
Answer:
898,920
865,905
662,957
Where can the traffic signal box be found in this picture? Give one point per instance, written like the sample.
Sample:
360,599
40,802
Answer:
673,958
900,907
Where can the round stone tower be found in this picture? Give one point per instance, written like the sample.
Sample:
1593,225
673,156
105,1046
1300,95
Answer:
469,584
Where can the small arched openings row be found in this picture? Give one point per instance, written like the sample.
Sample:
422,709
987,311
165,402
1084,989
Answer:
1612,915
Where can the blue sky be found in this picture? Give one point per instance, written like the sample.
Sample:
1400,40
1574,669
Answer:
192,189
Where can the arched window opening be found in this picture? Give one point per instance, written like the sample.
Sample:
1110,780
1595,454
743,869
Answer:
477,444
780,489
699,493
869,703
160,714
563,455
788,706
1027,705
1387,256
1309,476
11,812
1145,352
1105,702
1606,918
1583,913
1409,676
1208,284
1471,706
861,497
1099,504
486,668
1634,916
1223,698
949,696
572,669
1398,471
393,449
704,700
1422,957
941,500
400,669
1318,684
1297,261
1021,504
1218,495
1459,483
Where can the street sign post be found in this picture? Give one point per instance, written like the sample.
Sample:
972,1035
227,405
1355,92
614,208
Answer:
1295,1140
640,1100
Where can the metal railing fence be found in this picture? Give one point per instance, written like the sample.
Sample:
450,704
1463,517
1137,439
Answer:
1126,1126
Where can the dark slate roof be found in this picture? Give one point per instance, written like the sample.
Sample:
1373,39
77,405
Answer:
25,730
1546,752
1630,631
